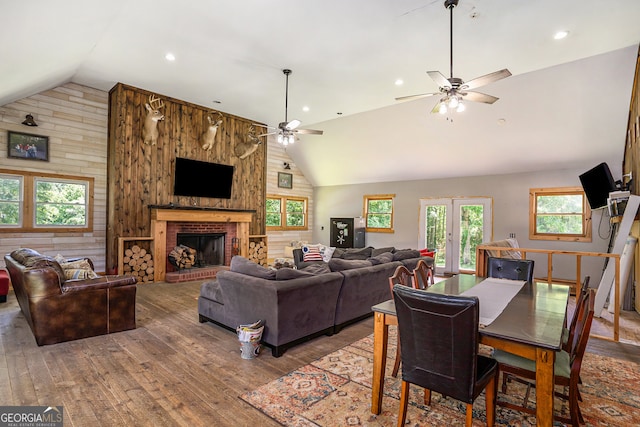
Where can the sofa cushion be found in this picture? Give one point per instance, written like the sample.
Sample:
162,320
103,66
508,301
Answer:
311,270
377,251
240,264
401,254
339,264
381,258
360,253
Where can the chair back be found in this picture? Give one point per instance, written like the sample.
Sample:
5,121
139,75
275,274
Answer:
402,276
581,295
508,268
439,339
421,275
578,343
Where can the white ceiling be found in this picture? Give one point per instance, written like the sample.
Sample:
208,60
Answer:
566,104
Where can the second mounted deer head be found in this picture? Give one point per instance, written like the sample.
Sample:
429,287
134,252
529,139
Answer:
209,136
150,127
246,148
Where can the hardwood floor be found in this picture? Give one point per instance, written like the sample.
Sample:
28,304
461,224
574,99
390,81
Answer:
170,371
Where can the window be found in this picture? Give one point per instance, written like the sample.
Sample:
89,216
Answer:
559,214
286,213
378,211
10,200
41,202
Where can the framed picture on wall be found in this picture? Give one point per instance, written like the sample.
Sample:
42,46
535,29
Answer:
28,146
285,180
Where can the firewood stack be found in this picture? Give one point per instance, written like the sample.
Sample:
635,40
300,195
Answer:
182,257
138,262
258,252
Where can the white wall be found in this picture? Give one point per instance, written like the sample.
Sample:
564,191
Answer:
510,194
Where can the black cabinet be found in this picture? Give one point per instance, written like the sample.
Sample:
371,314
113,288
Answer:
347,232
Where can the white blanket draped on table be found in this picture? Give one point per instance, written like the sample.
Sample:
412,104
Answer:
494,295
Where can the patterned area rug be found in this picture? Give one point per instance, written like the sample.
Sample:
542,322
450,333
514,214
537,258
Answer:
336,391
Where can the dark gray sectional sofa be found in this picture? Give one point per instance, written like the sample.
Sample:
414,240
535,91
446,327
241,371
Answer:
297,305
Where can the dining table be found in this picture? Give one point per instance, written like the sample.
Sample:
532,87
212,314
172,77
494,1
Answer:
530,325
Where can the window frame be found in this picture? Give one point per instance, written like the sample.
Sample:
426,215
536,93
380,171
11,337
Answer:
28,202
20,200
534,193
373,197
283,212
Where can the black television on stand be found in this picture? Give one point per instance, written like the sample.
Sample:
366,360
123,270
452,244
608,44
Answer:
597,184
195,178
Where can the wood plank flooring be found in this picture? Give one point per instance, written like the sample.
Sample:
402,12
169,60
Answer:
170,371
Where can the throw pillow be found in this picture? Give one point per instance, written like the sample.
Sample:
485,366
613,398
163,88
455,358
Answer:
339,264
240,264
381,258
402,254
327,252
375,252
79,273
361,253
311,253
80,269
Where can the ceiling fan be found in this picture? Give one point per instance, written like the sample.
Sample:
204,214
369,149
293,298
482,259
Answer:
288,130
456,90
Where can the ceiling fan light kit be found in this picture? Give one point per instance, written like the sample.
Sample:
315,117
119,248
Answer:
455,90
286,131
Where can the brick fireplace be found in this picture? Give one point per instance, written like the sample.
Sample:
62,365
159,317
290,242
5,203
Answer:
167,222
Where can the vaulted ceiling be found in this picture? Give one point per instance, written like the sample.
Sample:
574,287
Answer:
566,104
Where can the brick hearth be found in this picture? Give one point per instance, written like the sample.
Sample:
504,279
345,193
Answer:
192,274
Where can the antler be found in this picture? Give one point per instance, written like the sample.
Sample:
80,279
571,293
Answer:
155,102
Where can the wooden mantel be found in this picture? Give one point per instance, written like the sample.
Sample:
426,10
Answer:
160,216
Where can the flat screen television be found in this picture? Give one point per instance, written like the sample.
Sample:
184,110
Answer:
195,178
597,184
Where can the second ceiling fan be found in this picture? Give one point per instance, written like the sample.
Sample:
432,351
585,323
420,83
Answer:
456,90
288,130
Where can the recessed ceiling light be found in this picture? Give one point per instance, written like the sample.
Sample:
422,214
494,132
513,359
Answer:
399,82
560,35
170,57
305,108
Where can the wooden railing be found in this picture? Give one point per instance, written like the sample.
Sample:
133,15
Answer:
481,270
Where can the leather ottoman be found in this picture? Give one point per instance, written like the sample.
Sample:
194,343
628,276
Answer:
4,285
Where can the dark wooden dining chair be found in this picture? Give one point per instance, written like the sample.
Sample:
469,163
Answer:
440,341
402,276
422,275
566,367
509,268
569,330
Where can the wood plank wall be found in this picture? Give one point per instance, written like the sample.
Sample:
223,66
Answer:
74,117
631,163
141,175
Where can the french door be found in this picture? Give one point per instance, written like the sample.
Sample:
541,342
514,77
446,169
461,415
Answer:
454,227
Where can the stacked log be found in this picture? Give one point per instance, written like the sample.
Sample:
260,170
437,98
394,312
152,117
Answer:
138,262
182,257
258,252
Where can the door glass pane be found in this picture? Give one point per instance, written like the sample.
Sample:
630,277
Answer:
436,231
471,225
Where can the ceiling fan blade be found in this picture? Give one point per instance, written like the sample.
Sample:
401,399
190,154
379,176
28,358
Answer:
479,97
292,124
262,125
309,132
423,95
266,134
440,79
486,79
436,108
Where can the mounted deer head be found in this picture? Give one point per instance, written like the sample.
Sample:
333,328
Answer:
150,128
208,138
246,148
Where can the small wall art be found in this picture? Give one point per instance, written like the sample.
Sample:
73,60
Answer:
28,146
285,180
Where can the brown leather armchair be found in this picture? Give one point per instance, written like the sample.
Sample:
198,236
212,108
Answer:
60,310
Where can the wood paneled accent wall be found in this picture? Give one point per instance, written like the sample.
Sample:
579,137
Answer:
631,163
141,175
